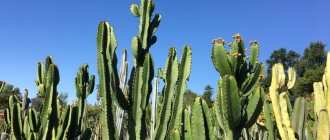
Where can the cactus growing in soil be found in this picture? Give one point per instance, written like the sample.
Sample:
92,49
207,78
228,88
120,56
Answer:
239,98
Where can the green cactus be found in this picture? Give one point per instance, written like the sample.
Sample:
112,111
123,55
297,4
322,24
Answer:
84,87
174,76
47,81
298,117
239,98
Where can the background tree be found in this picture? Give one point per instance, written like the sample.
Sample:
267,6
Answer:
314,57
310,68
207,95
62,97
8,90
288,59
189,98
36,103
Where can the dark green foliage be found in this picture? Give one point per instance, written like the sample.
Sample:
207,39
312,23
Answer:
304,84
62,97
189,98
207,95
313,57
288,59
7,90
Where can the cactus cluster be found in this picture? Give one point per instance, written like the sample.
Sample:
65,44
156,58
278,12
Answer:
239,96
53,122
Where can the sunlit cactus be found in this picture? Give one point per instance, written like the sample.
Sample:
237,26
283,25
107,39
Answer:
239,97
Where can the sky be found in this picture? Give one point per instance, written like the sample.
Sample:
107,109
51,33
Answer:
66,30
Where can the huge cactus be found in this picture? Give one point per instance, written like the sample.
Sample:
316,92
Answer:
141,74
322,103
239,98
47,81
278,95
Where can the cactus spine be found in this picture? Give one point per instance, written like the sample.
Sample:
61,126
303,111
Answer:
237,104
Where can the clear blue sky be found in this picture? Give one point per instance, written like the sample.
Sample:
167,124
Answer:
66,30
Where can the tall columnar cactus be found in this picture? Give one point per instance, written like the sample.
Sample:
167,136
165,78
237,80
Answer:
322,103
239,98
84,87
141,74
174,76
299,117
26,123
279,102
47,81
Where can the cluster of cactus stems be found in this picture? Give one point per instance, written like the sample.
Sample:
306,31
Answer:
52,122
239,97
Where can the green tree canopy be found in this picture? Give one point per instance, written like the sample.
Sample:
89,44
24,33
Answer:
288,59
207,95
8,90
189,98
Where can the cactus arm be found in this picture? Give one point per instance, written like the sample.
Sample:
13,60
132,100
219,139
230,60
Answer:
184,72
64,123
323,126
254,53
171,76
219,59
16,123
269,122
230,99
174,135
187,125
218,110
33,120
197,122
145,14
143,95
49,113
298,116
135,10
285,116
254,106
106,117
252,80
292,77
207,121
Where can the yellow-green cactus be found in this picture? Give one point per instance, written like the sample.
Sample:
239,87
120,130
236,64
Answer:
279,101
